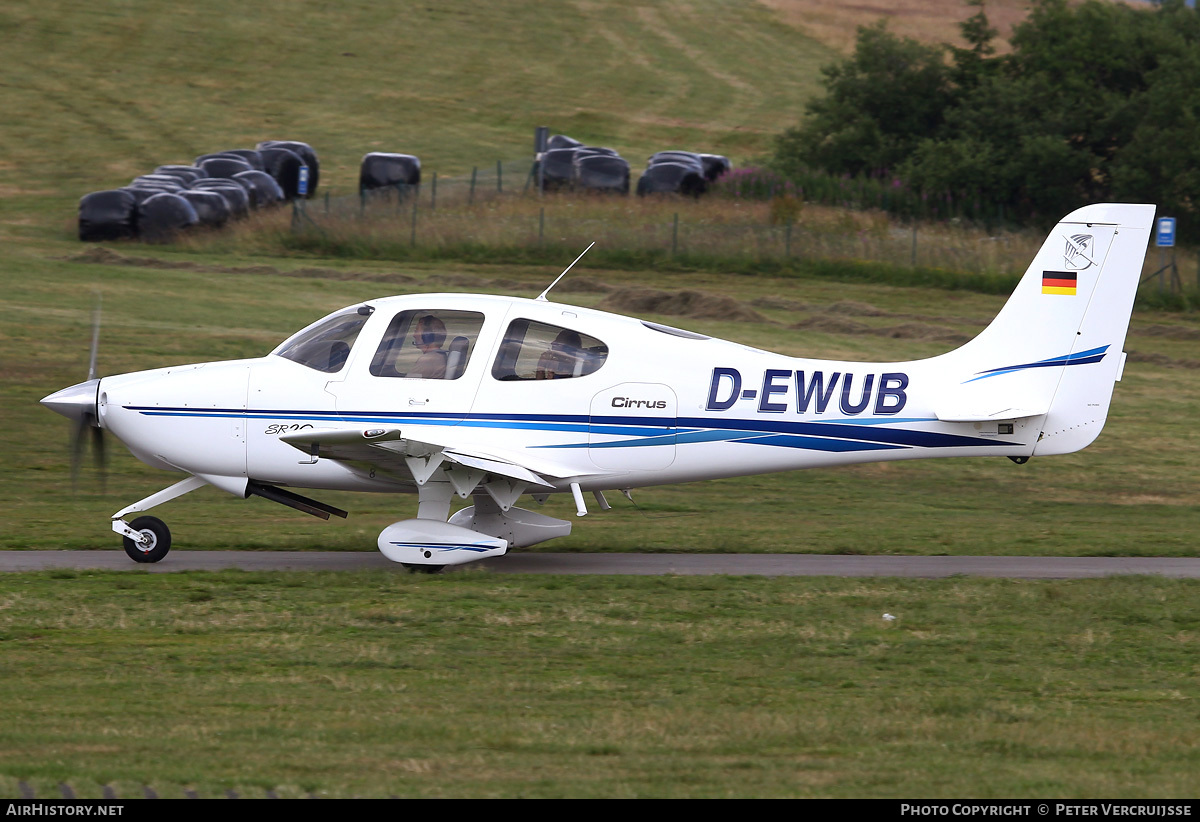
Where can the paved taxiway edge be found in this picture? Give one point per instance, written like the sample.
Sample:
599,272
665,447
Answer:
630,564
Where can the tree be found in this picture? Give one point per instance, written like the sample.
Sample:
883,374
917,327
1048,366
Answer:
879,102
1095,100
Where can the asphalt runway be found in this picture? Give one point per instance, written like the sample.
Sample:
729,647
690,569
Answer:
780,565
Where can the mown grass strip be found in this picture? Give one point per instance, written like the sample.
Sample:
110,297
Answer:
470,685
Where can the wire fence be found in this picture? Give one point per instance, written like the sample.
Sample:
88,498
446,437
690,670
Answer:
499,206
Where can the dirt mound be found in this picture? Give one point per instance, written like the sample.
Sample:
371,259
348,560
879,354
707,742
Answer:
1161,359
850,308
1171,332
697,304
780,304
588,285
922,331
831,325
104,256
96,254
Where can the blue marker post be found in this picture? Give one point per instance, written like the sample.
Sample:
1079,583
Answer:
1164,237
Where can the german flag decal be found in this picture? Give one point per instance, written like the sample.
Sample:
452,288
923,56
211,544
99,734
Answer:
1059,282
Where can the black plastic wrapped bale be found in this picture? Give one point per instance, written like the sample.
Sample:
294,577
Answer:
107,215
237,199
267,192
211,208
141,193
382,170
562,141
558,168
163,216
223,166
682,157
245,185
307,154
189,174
602,172
715,165
164,180
611,152
672,178
250,155
284,165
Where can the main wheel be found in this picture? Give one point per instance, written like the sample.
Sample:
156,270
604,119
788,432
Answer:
158,540
413,568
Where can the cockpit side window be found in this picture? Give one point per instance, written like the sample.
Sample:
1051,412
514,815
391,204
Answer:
539,351
326,345
427,344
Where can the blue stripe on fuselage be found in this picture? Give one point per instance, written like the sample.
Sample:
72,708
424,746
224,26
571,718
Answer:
642,431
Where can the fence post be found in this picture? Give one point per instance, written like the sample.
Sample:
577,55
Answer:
913,260
412,239
499,178
433,194
471,196
541,224
787,242
675,235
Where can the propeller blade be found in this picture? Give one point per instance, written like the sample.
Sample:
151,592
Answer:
95,338
100,456
78,441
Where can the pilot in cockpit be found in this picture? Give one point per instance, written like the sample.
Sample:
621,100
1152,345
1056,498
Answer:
561,358
428,336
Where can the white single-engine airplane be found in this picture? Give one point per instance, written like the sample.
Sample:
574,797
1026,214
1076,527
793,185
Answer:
488,397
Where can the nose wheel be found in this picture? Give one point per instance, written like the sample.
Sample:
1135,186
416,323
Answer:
153,542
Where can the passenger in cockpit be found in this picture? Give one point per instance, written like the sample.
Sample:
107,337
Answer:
561,358
428,336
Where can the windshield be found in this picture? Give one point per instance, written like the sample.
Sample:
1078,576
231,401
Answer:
326,345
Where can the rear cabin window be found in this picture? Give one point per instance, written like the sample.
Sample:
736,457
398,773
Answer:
326,345
427,345
539,351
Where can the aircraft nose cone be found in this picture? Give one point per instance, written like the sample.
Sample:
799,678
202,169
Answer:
75,403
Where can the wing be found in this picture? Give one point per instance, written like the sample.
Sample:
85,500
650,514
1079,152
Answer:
405,459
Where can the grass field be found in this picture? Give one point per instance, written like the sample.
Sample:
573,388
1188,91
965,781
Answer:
385,684
471,685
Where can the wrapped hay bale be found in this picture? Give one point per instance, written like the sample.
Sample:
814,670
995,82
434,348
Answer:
557,168
601,172
307,154
107,215
267,192
284,166
715,165
672,178
236,196
162,217
188,174
562,141
382,170
218,166
211,208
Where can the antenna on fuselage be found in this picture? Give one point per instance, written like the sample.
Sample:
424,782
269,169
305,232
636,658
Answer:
542,296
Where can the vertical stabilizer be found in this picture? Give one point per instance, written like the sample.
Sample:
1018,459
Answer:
1056,346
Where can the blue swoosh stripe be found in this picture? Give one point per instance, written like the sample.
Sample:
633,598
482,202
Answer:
478,548
1082,358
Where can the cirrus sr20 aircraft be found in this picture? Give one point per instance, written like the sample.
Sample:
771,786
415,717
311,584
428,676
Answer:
493,398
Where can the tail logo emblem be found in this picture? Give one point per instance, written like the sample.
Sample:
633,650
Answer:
1078,253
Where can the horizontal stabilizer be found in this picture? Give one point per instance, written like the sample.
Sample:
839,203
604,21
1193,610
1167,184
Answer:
988,413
